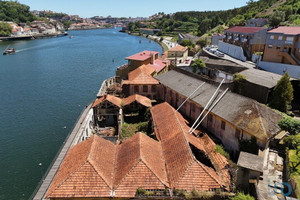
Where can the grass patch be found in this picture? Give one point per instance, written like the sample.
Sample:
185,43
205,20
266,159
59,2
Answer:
128,130
220,150
295,175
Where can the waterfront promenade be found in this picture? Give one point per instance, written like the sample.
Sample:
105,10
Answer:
76,133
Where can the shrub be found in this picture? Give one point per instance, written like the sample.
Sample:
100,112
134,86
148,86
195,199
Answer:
198,64
219,149
282,94
290,125
140,191
242,196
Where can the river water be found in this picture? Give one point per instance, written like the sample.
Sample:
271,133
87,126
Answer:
43,89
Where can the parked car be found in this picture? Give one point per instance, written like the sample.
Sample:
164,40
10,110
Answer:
220,54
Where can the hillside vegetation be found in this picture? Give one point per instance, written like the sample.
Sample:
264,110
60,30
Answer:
16,12
284,12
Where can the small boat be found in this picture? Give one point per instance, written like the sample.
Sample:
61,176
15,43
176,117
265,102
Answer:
9,51
71,36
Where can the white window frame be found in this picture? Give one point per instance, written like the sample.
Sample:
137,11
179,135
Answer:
272,37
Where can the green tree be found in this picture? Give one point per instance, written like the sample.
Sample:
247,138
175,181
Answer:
5,29
202,42
242,196
290,125
282,95
187,43
239,80
293,143
277,17
67,24
198,64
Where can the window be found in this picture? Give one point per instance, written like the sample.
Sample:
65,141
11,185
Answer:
145,88
270,46
153,88
272,37
237,133
210,118
136,89
277,48
223,125
289,40
279,37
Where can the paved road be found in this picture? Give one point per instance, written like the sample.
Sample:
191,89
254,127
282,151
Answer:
170,44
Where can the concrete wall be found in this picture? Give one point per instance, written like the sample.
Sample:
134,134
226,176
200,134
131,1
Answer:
232,50
279,68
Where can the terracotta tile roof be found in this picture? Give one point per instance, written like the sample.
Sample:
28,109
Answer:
244,29
139,163
141,76
114,100
144,55
138,98
179,48
171,129
158,65
287,30
90,160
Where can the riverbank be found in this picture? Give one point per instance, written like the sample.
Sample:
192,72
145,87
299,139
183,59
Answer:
33,37
163,45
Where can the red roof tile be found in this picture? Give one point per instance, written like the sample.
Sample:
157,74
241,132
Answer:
114,100
141,76
158,65
287,30
171,129
139,163
244,29
138,98
142,55
91,160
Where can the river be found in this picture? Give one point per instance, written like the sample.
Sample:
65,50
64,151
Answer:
43,89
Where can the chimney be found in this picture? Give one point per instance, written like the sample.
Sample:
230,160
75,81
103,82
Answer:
153,59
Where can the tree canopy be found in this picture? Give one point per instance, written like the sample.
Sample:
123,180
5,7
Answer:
282,94
5,29
16,12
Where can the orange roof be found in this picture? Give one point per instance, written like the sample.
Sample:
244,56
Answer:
171,129
139,163
287,30
91,160
114,100
138,98
144,55
179,48
95,167
141,76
